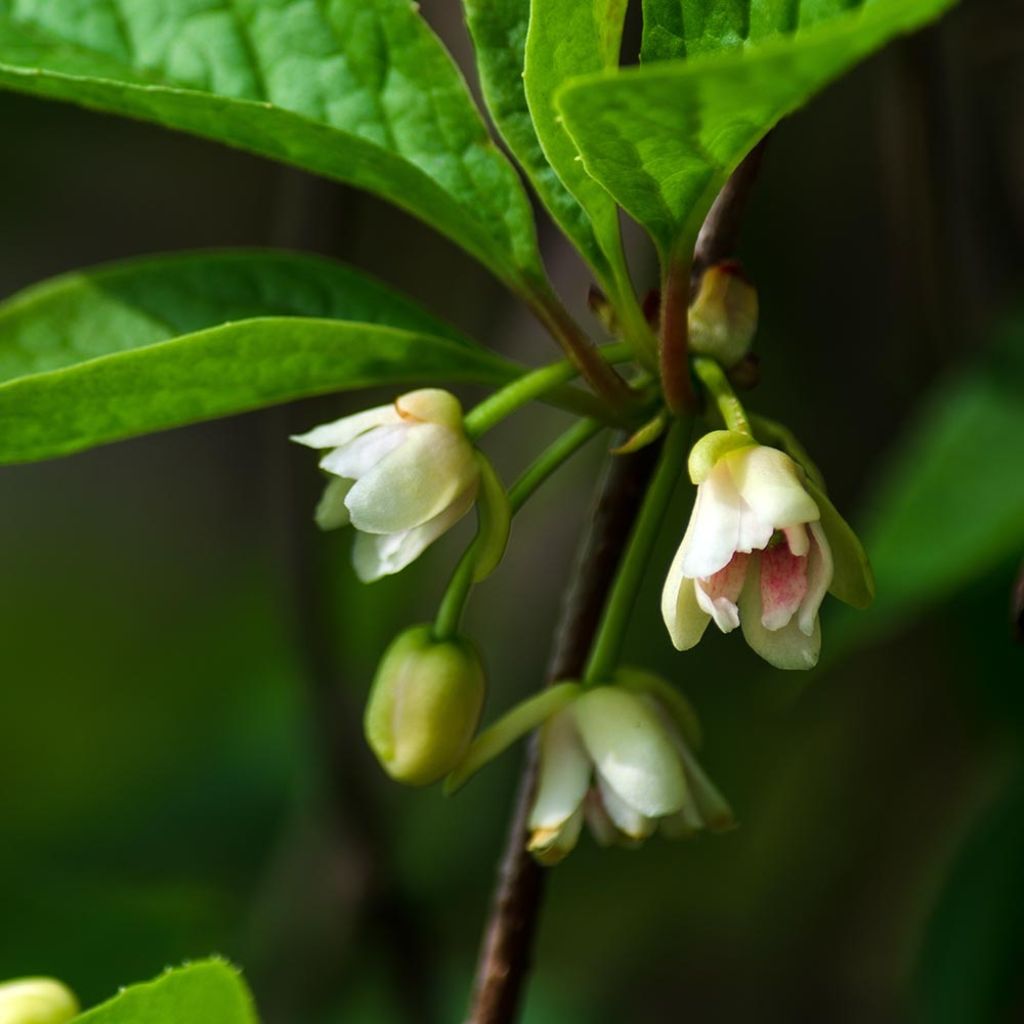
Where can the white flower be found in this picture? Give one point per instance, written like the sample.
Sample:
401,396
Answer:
404,474
757,555
615,759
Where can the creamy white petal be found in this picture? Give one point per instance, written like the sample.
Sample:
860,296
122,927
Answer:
415,482
333,435
359,456
602,828
431,405
714,528
383,554
684,619
769,483
786,648
564,774
819,579
798,539
627,819
631,750
549,846
331,512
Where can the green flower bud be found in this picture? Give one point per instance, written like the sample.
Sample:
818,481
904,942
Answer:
424,705
723,317
36,1001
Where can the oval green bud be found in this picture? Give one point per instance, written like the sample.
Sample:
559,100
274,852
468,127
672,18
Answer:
723,317
36,1001
424,705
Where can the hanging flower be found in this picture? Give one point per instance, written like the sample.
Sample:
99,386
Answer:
762,548
402,474
616,759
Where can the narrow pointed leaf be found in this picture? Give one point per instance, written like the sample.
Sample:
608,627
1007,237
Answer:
664,137
356,90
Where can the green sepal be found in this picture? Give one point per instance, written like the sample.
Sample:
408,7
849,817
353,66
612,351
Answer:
712,447
526,716
645,435
853,582
680,710
494,518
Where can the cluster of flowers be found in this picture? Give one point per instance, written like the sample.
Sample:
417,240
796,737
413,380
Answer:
763,547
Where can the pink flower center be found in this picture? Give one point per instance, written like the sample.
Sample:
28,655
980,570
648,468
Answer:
783,583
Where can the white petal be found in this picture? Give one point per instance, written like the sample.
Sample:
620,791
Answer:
798,539
331,512
564,774
333,435
787,648
717,596
359,456
769,483
415,482
602,828
383,554
819,579
549,846
714,528
631,750
431,405
627,819
683,617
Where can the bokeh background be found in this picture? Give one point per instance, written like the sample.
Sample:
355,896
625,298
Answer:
184,659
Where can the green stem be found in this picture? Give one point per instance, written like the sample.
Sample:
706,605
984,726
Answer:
530,386
453,603
712,376
604,655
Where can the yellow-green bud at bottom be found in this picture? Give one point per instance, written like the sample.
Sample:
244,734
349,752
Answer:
36,1001
424,705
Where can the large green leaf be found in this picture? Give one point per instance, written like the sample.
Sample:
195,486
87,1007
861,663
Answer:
567,38
220,371
203,993
357,90
136,303
949,506
664,137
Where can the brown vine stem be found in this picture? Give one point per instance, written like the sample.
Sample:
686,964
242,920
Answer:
505,955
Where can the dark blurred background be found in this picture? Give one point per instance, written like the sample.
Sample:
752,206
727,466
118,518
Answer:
185,659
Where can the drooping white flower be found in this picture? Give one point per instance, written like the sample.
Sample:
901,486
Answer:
403,474
759,553
615,759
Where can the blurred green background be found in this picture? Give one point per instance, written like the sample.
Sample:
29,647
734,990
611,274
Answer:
185,660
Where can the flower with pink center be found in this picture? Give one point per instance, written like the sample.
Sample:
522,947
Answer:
762,549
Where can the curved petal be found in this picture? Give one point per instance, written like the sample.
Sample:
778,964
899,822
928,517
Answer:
819,578
631,750
717,596
383,554
626,819
769,482
415,482
549,847
713,531
359,456
431,405
684,619
564,776
331,512
333,435
786,648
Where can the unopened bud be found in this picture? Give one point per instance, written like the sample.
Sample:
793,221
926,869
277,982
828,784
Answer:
36,1001
723,316
424,705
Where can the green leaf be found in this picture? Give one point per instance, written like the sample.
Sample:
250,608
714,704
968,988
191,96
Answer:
663,138
499,30
567,38
211,992
132,304
949,507
357,90
218,372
